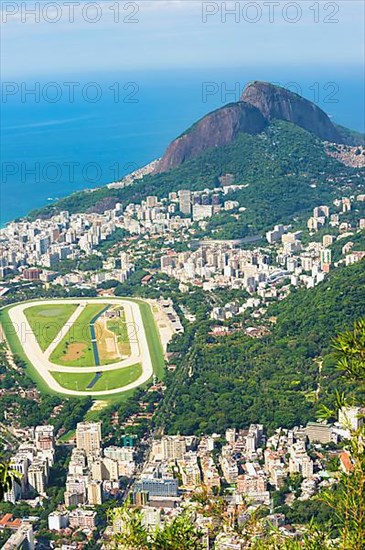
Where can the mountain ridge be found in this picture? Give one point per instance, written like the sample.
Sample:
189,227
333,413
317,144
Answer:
260,103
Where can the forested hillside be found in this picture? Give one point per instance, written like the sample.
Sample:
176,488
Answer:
279,380
285,170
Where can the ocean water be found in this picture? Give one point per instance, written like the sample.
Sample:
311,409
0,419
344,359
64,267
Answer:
57,141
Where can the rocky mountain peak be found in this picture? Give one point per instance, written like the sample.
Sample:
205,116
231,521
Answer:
260,103
275,102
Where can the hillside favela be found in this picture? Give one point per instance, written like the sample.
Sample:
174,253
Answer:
182,348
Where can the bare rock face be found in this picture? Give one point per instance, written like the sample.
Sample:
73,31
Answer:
275,102
260,103
214,130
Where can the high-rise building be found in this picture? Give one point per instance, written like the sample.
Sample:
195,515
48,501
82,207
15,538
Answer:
13,494
326,259
251,483
317,432
299,461
171,447
32,274
157,487
200,212
57,521
215,199
38,476
95,493
320,211
119,453
275,234
74,499
111,468
151,201
231,435
185,201
328,240
20,463
346,204
88,436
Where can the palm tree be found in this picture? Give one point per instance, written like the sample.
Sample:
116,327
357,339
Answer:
131,533
179,534
350,351
7,477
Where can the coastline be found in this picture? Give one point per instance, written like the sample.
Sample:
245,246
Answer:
127,180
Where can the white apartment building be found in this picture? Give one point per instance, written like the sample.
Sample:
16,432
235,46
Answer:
88,436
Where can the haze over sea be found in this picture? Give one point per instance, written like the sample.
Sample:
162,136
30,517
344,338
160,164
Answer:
51,149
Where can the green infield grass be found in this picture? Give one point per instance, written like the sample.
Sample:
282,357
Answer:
47,321
105,381
76,348
153,338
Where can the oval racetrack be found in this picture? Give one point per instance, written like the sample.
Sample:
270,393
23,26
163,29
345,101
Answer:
41,362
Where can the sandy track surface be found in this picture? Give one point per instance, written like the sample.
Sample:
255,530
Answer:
40,360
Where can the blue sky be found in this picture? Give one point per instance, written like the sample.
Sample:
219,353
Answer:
154,34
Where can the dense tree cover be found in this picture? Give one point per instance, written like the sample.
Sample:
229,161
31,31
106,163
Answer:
357,138
285,168
278,380
118,236
303,511
11,378
125,407
33,413
131,286
5,534
23,293
83,263
227,226
58,472
359,244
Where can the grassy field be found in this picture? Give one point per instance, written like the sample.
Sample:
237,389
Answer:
108,381
153,338
47,321
67,436
76,350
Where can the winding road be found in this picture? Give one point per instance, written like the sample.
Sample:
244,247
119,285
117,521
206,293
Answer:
41,360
